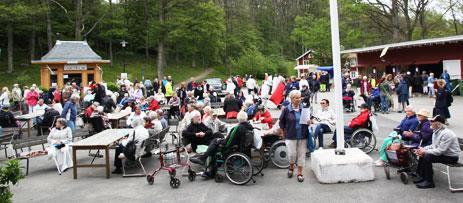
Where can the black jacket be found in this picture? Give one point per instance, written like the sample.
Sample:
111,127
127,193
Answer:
7,119
108,104
194,128
49,117
241,138
314,85
231,104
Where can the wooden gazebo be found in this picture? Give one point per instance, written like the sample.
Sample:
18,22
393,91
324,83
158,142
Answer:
70,61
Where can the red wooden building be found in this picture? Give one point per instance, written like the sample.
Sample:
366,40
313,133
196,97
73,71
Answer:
303,63
430,55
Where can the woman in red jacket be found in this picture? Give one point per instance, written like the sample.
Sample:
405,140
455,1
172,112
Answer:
361,121
263,116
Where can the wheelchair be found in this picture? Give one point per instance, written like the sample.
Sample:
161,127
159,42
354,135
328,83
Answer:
231,163
364,138
348,104
274,150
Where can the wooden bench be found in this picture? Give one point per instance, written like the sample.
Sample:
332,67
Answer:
6,138
27,143
457,165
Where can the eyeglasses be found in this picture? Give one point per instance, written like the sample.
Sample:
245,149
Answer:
322,103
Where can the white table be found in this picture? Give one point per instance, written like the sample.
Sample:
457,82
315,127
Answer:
103,141
28,117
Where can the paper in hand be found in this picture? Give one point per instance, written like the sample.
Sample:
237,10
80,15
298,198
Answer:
305,116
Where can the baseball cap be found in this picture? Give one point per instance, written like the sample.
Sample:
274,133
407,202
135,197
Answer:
438,118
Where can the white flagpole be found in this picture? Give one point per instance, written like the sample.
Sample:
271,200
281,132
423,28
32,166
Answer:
337,77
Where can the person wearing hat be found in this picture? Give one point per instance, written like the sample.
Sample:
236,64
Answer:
422,136
444,149
7,119
361,121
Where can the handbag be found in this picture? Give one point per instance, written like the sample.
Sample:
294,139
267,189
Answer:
130,149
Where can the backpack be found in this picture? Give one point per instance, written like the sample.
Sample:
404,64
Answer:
130,149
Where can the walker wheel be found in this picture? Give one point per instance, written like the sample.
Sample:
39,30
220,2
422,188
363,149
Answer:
172,172
387,171
218,178
174,182
150,179
404,177
191,176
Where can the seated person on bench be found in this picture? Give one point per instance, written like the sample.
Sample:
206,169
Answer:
47,120
236,137
361,121
444,149
7,119
216,125
140,134
197,133
263,115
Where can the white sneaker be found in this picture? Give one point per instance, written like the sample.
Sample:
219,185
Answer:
379,163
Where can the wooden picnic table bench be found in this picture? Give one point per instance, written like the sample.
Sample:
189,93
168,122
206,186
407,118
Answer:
100,141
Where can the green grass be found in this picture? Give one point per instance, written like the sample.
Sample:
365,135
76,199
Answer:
27,74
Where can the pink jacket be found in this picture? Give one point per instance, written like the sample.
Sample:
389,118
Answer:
31,98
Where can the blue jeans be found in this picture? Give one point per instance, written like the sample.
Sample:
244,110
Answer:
384,103
310,143
347,133
319,130
72,125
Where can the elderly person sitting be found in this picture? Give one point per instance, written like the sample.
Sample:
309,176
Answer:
238,136
134,115
7,118
295,134
406,127
361,121
59,150
215,124
444,149
197,133
422,136
138,136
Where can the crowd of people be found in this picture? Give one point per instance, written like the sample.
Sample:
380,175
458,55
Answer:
194,103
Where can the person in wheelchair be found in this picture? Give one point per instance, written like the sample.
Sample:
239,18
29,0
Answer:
361,121
348,98
236,137
374,99
417,136
263,116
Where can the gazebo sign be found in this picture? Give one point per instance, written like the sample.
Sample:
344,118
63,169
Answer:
75,67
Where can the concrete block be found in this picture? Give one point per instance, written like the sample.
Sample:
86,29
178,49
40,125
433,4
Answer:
354,166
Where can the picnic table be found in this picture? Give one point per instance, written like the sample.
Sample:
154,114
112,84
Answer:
103,141
220,112
115,117
165,107
27,118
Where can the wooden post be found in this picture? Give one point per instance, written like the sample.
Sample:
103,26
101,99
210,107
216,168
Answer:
60,77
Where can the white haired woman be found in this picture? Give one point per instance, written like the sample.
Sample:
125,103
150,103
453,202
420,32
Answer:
5,97
295,134
59,141
139,134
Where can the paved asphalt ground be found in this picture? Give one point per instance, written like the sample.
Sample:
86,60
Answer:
45,185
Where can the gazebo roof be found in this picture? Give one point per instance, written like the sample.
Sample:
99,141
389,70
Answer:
71,52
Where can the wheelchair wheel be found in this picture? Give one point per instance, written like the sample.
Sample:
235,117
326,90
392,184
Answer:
257,161
279,154
150,179
218,178
387,171
238,168
404,177
364,139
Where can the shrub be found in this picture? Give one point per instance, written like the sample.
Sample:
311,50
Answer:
9,174
112,86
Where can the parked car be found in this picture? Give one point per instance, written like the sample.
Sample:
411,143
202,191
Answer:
215,84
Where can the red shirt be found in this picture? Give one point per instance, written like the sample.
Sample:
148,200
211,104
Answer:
361,121
267,118
88,111
154,105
